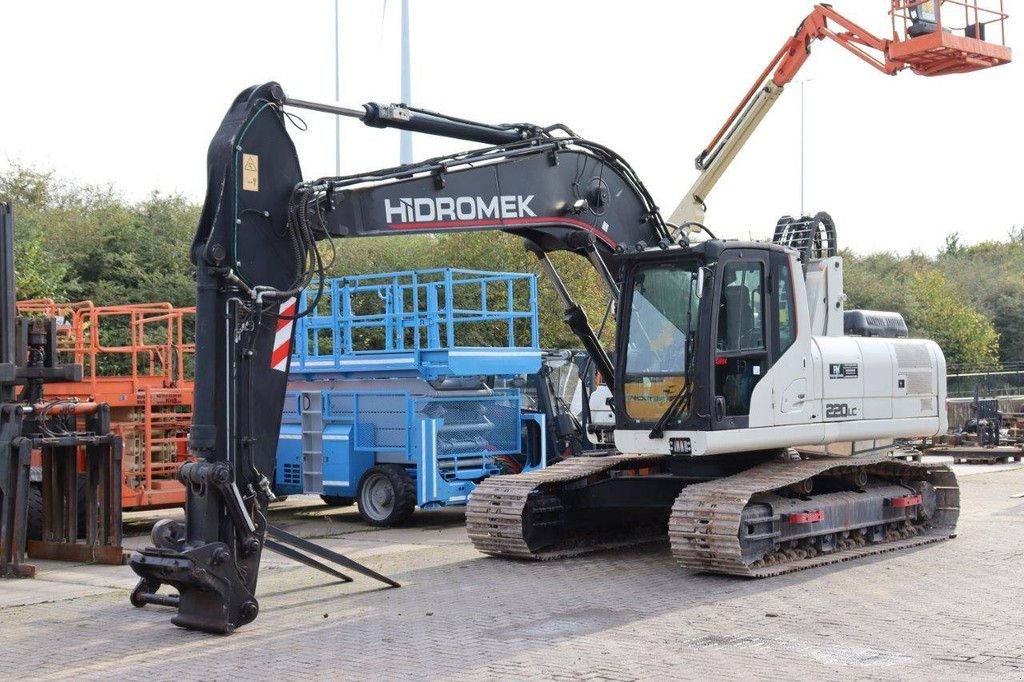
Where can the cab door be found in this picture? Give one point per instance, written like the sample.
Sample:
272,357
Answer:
790,338
741,357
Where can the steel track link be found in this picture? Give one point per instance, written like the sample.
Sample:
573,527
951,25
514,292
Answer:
704,526
499,508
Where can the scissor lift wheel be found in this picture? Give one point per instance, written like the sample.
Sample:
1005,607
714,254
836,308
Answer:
387,495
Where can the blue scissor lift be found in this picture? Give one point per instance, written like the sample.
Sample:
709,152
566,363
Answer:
387,405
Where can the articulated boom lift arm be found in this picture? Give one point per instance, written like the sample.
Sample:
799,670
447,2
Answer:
952,54
260,242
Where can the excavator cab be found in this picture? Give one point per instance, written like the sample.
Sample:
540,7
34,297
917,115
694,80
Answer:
699,328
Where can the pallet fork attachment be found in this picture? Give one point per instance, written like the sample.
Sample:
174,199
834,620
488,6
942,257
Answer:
216,591
287,545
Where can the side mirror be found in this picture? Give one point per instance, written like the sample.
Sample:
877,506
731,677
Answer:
701,272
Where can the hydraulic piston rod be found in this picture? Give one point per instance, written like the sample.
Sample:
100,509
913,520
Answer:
404,117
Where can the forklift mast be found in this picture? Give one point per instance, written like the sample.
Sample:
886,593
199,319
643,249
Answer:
60,431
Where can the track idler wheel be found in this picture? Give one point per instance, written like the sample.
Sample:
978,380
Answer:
803,488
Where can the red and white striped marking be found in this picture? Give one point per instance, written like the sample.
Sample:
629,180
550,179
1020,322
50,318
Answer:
283,338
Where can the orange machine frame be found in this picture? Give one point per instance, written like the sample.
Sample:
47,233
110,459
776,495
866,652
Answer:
144,378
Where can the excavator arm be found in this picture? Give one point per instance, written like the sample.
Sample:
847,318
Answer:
262,238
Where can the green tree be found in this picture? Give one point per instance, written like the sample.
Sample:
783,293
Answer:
990,277
142,255
79,242
87,242
941,314
931,299
875,282
953,245
38,273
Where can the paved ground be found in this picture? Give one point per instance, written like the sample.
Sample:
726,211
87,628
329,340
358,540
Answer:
945,611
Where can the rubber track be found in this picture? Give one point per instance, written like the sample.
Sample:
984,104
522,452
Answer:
705,521
495,513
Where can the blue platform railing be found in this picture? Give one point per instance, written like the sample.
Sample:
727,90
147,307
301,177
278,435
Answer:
431,323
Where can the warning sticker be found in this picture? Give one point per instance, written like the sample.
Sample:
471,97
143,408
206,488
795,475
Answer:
842,370
250,172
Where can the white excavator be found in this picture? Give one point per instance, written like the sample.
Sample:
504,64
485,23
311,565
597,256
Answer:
730,362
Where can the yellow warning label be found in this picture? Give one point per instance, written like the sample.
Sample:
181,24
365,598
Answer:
250,172
649,397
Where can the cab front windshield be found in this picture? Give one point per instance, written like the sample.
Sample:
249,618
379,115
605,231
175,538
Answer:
662,328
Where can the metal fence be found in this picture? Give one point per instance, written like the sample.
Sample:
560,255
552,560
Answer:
991,381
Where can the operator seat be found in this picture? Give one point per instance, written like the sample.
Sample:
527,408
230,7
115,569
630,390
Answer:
737,318
735,378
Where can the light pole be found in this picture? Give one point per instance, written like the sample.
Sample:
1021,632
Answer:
802,83
405,149
337,92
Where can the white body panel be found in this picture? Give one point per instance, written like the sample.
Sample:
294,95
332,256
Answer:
827,388
858,389
824,295
601,413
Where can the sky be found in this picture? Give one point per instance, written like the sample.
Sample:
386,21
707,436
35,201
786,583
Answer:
129,93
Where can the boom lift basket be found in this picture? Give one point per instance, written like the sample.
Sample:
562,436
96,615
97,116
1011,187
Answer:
941,37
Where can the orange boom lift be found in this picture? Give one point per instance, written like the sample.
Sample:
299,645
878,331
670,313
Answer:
931,38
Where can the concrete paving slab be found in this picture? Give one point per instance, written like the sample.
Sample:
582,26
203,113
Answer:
947,611
39,591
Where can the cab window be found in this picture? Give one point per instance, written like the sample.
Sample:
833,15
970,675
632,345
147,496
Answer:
663,320
741,358
785,330
740,315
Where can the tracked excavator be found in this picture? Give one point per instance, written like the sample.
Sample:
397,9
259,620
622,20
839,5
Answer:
728,354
